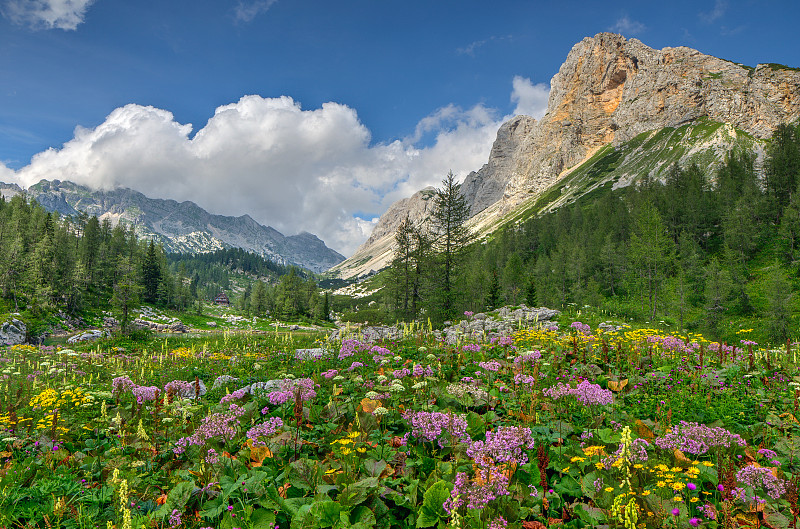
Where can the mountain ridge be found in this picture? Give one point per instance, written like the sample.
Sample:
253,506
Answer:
181,226
608,92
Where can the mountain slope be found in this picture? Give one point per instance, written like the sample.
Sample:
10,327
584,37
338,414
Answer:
182,226
610,92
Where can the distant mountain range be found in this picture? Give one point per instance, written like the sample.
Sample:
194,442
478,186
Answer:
181,226
618,111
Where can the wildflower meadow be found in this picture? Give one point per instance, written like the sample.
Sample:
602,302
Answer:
581,427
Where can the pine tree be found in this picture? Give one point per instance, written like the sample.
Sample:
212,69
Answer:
450,213
151,274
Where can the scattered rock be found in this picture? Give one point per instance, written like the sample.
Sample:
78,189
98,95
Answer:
13,332
211,323
309,354
507,323
87,336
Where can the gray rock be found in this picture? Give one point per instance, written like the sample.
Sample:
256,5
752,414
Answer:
309,354
87,336
13,332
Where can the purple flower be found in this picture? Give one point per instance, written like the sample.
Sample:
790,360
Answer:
265,429
441,427
676,511
691,486
760,477
697,439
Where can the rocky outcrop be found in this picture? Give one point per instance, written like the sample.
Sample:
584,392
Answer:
87,336
485,328
376,252
608,91
13,332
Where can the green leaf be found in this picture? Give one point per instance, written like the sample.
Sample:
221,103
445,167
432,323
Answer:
426,519
177,498
432,502
357,492
591,515
475,425
568,486
262,519
326,513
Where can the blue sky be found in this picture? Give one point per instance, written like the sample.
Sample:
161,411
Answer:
351,105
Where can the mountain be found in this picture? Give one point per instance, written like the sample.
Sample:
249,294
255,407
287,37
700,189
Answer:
618,111
181,226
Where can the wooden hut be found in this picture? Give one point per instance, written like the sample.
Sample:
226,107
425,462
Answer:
222,299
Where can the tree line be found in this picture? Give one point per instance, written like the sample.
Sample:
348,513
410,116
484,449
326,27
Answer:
51,263
685,247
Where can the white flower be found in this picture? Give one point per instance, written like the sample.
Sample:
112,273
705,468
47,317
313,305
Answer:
380,410
372,395
338,377
419,385
398,358
382,378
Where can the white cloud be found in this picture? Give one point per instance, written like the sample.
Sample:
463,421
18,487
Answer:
531,99
290,168
470,48
247,11
46,14
626,26
720,7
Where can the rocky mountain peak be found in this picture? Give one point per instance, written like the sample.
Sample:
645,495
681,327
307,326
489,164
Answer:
608,91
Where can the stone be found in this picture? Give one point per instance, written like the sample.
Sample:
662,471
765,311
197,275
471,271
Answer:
13,332
211,323
87,336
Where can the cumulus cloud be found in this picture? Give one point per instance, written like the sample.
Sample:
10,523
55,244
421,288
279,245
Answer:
531,99
294,169
247,11
46,14
627,26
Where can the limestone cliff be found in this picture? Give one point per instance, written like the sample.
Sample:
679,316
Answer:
609,91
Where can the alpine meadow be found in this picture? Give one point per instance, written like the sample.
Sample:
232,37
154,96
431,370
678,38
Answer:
598,327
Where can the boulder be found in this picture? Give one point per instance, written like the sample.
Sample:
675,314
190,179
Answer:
13,332
87,336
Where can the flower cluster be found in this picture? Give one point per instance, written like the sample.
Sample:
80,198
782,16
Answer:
637,453
492,365
217,426
287,390
582,328
441,427
265,429
760,477
495,461
697,439
586,393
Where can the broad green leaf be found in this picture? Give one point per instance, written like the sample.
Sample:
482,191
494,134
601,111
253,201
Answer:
326,513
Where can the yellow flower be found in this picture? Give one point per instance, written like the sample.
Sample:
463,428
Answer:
694,499
646,493
661,484
638,465
565,470
609,489
577,458
599,466
677,498
708,464
346,451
